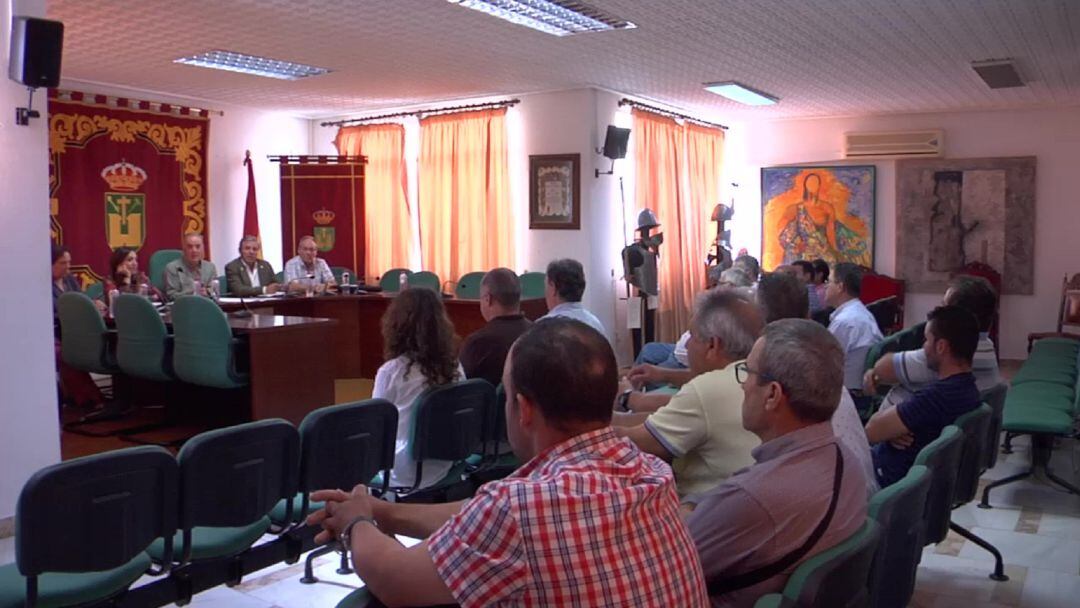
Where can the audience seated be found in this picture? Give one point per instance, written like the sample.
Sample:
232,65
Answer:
804,271
191,274
952,336
248,275
484,352
125,276
909,372
563,290
821,278
735,277
781,297
701,426
802,476
75,387
307,268
590,520
749,265
418,342
852,324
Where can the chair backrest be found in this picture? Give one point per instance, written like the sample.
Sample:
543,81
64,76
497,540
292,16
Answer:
95,290
235,476
96,512
339,270
468,286
838,577
533,285
995,398
885,313
1069,310
898,509
343,445
909,338
84,344
143,345
942,457
158,260
448,420
223,285
976,427
391,279
279,276
202,343
425,279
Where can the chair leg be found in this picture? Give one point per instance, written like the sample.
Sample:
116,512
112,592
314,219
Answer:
309,574
111,410
1006,448
985,502
999,565
344,567
1061,482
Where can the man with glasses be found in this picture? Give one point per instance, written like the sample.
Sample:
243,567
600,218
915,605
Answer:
804,493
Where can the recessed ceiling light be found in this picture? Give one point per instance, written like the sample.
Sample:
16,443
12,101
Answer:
251,64
998,73
555,17
741,93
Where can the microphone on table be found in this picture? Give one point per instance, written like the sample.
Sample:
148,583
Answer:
242,314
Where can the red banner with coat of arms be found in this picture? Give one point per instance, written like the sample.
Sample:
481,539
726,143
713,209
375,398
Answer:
124,173
323,197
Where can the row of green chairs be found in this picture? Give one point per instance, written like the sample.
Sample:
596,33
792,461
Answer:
467,287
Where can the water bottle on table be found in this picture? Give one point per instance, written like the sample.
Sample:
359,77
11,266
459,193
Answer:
113,295
215,290
403,282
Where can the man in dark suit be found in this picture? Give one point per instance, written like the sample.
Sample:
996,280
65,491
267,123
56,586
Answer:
247,275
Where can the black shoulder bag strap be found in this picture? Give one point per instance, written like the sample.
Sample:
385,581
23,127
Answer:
720,585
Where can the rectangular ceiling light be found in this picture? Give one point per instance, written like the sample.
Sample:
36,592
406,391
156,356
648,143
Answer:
741,93
998,73
555,17
251,64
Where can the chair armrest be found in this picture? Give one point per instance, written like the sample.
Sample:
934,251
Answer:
772,600
1032,337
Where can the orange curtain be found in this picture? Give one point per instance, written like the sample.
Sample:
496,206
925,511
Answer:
464,194
387,226
677,173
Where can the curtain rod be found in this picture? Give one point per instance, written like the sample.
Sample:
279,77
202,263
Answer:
644,106
475,106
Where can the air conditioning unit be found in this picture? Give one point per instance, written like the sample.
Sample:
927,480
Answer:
895,144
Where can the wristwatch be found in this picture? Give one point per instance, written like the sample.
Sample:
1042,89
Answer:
624,400
345,538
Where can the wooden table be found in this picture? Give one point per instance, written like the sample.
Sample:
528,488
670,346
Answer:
356,344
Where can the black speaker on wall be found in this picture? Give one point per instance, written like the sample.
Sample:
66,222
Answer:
615,142
36,47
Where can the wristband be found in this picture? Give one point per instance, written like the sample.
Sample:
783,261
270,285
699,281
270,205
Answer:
345,538
624,400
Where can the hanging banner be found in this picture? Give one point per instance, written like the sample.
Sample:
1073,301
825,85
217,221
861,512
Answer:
124,173
323,197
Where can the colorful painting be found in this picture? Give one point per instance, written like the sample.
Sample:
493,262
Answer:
817,212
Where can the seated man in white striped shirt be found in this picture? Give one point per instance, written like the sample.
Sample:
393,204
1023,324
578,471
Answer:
564,287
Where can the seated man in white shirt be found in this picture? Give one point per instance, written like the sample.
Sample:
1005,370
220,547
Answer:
851,323
908,370
307,266
700,428
563,290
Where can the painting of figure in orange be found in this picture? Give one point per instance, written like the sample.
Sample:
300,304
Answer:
817,212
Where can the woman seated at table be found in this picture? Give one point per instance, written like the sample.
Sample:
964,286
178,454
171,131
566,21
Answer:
420,353
75,387
125,276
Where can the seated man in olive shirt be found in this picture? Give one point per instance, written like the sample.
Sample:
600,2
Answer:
484,352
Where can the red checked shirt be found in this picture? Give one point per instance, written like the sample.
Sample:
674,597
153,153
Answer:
592,521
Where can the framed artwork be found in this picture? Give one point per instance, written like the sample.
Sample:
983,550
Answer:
555,192
817,212
951,212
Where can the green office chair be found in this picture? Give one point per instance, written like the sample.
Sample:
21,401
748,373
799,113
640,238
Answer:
223,285
95,291
391,279
468,286
975,426
279,277
82,528
898,509
942,457
158,261
497,460
533,285
835,578
907,339
84,345
995,398
230,480
204,351
144,347
425,279
339,270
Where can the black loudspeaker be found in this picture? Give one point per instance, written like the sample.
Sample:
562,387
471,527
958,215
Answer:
615,142
36,45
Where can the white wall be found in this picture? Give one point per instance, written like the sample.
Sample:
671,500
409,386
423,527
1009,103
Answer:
29,434
1052,135
239,129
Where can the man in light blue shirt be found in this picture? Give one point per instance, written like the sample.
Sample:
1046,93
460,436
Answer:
308,266
851,323
564,287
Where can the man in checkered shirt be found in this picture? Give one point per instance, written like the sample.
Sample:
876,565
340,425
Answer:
589,520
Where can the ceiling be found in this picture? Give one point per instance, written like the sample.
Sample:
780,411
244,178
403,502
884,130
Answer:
821,57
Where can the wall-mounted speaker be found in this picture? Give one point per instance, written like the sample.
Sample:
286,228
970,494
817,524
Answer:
36,46
615,142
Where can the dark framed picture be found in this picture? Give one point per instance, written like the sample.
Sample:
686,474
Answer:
555,192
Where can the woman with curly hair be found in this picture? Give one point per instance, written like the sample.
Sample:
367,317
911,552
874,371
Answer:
420,352
125,276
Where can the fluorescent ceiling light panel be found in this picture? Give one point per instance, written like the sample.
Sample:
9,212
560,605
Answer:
251,64
555,17
741,93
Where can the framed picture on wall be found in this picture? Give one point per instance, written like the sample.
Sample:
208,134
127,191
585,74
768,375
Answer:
555,192
817,212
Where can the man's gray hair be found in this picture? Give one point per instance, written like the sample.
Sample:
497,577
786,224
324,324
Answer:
191,234
306,237
727,314
808,363
736,276
247,239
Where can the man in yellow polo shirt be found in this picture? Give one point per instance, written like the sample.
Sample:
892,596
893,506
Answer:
700,430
